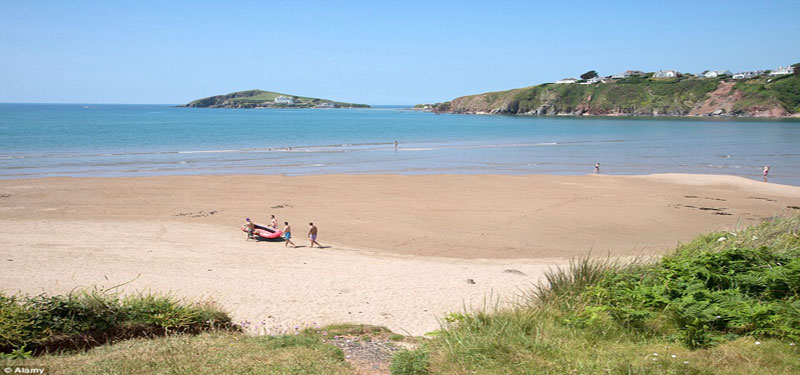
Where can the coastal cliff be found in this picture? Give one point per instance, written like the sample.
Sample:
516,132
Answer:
267,99
642,96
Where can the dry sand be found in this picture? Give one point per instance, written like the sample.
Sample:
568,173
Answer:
399,249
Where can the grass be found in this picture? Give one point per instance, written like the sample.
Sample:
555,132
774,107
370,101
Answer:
725,303
300,351
85,318
207,353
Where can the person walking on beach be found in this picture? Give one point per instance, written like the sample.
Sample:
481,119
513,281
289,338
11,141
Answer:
766,172
251,226
273,222
312,235
596,168
287,234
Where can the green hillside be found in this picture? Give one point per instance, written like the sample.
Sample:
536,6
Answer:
265,99
762,96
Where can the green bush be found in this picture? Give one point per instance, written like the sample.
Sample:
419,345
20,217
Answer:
711,292
88,318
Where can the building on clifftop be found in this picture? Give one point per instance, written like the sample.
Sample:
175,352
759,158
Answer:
666,74
628,73
284,100
748,75
567,80
782,70
716,73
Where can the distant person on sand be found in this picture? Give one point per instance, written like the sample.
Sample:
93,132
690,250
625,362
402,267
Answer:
766,172
251,226
273,222
596,168
287,234
395,145
312,235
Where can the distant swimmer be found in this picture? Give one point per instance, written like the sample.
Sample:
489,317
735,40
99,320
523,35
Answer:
596,168
312,235
766,172
273,222
287,234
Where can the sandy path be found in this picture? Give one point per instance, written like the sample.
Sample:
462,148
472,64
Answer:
402,249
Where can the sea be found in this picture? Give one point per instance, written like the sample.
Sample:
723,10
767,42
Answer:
47,140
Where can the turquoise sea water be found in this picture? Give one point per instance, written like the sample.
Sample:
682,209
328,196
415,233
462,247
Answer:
40,140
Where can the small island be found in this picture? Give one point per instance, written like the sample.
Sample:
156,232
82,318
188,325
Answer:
267,99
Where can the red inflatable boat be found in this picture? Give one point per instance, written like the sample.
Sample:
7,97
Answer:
263,232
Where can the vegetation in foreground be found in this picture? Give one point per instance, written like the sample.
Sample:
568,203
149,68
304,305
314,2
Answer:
310,351
725,303
32,325
217,352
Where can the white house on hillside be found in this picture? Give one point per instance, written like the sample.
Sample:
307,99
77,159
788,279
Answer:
748,75
716,73
593,80
666,74
284,100
567,80
782,70
628,73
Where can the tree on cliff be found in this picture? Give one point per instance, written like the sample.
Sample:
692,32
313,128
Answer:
589,74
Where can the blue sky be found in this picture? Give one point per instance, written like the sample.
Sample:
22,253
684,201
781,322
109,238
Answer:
369,52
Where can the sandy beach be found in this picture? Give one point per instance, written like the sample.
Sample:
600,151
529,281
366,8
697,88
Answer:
399,248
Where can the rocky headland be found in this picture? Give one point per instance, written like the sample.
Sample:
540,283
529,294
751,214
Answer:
768,97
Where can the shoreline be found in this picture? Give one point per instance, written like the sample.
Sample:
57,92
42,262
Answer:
753,177
399,249
793,116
